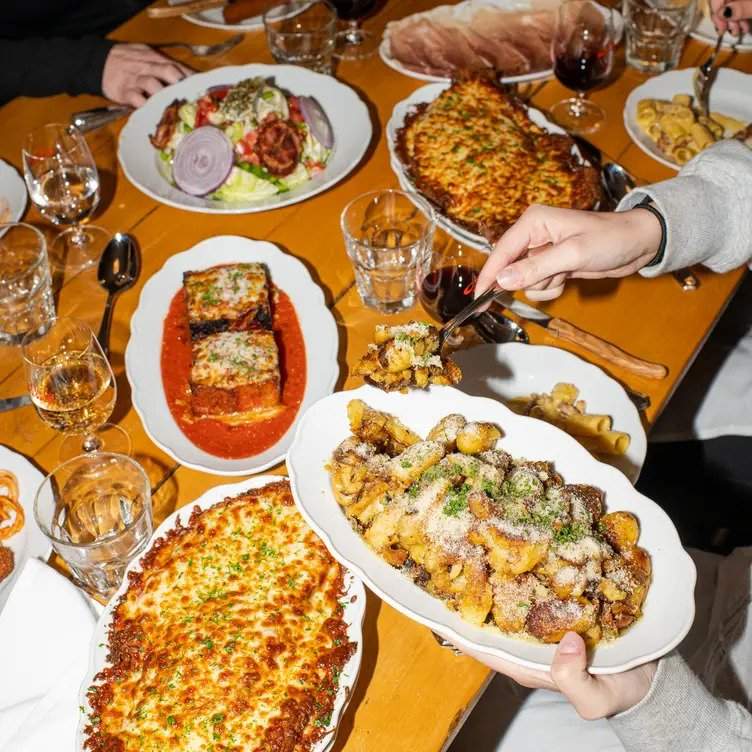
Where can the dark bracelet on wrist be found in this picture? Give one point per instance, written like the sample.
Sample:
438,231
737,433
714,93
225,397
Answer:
646,203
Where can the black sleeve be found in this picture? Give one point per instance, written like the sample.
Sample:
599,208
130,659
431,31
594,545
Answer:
38,67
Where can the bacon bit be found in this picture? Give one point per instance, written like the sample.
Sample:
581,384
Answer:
166,125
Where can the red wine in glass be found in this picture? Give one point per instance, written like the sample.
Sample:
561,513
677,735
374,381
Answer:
446,291
355,43
583,52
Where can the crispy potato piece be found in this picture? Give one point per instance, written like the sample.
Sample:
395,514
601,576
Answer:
550,620
475,596
381,429
474,437
415,460
383,532
446,430
620,529
513,597
508,556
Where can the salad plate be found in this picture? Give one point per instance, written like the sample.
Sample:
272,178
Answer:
12,193
207,145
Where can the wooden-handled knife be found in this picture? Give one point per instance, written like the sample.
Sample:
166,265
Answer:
570,333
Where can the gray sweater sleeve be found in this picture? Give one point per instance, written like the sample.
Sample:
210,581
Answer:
708,210
679,713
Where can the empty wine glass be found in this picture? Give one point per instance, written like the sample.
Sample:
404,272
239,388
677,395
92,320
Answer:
582,49
354,43
63,183
73,388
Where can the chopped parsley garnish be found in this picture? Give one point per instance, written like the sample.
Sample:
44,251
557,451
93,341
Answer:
323,721
456,501
570,533
266,550
171,720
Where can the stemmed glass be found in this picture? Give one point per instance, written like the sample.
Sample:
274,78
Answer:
354,43
63,183
73,388
582,49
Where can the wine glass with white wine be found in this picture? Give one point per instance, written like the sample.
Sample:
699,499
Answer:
73,388
63,184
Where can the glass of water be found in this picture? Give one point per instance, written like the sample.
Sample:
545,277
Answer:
26,302
96,512
656,31
302,32
63,184
389,237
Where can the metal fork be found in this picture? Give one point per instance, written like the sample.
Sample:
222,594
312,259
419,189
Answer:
704,76
468,311
205,50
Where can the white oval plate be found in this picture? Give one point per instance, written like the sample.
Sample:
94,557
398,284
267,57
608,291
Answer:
355,609
514,369
347,114
705,31
142,355
13,190
730,94
213,19
669,607
399,113
29,541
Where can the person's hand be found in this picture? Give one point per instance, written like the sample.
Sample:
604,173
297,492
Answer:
733,16
133,72
592,696
547,245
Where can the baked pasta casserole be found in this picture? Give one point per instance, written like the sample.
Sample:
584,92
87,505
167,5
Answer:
504,541
231,638
407,355
475,153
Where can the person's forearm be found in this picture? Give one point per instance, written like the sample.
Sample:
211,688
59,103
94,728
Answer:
41,67
679,713
707,211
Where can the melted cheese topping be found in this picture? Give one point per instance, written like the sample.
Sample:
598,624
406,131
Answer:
231,638
476,153
226,292
231,359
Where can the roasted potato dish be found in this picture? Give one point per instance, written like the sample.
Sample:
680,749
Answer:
504,541
407,356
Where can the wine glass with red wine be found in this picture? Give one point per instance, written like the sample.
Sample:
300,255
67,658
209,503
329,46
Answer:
582,49
449,282
354,43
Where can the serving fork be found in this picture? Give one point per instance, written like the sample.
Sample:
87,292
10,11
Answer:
704,76
205,50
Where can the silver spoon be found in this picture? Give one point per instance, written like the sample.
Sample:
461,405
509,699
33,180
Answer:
118,270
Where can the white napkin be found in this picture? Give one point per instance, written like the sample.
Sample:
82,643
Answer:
45,631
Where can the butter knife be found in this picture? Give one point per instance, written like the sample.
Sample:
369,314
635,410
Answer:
11,403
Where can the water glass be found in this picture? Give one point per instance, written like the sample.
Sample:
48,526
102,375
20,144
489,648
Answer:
389,237
656,31
26,302
96,512
302,32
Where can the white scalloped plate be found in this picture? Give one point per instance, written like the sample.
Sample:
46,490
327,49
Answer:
514,369
354,599
669,607
427,94
142,356
12,191
213,19
346,111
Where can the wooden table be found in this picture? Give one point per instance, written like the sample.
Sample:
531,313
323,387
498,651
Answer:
412,694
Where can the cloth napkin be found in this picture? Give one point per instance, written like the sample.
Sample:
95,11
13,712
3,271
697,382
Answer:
45,631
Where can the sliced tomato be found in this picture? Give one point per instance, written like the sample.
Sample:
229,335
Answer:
205,106
294,105
246,148
218,93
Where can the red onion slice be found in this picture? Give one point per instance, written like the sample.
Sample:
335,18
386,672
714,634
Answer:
203,160
317,121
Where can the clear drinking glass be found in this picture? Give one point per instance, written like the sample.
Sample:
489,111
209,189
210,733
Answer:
302,33
96,511
389,241
656,31
73,387
26,302
63,184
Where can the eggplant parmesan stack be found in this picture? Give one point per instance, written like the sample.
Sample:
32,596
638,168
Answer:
235,362
475,153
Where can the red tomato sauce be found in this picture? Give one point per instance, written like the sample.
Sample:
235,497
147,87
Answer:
213,436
